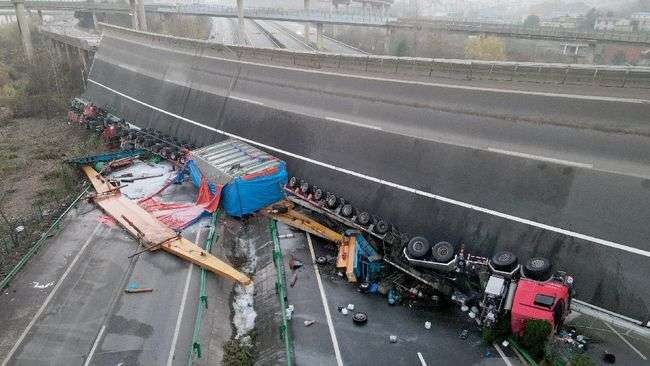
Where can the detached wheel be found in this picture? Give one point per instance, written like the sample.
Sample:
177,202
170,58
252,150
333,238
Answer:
347,210
363,219
360,318
381,227
538,269
504,261
332,201
321,260
293,182
318,194
418,247
442,252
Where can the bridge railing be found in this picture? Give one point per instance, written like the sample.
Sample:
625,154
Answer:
313,15
408,68
520,30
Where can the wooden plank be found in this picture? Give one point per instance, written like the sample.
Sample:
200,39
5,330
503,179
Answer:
153,233
191,252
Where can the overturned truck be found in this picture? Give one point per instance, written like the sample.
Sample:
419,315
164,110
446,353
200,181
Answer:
486,288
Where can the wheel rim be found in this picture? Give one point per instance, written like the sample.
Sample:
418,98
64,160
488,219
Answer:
418,245
537,263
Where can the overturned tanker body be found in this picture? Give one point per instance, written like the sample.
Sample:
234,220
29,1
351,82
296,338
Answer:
589,223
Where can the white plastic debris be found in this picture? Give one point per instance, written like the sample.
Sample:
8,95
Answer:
290,309
19,228
344,311
472,314
244,313
350,306
393,338
309,322
505,343
464,308
427,325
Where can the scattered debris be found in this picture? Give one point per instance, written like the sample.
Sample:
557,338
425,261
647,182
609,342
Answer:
360,318
19,228
309,322
464,334
39,286
392,338
321,260
350,306
289,311
609,357
294,278
129,290
244,314
294,264
427,325
344,311
131,180
285,236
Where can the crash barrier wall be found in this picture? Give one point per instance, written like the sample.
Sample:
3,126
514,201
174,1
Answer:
30,227
370,164
407,67
195,350
281,290
73,39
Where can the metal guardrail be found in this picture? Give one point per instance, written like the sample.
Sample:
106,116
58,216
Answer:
528,32
406,68
281,290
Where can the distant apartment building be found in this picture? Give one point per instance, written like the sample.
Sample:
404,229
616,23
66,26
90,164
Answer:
611,24
641,21
567,22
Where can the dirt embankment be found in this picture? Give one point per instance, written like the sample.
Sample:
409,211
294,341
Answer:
35,182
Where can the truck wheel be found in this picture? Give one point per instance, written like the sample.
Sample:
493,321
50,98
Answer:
504,261
293,182
347,210
363,219
360,318
304,187
418,247
332,201
318,194
442,252
538,269
381,227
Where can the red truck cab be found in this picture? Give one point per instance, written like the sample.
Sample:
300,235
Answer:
540,300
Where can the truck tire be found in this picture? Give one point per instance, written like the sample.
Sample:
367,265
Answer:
363,219
293,182
504,261
418,247
318,194
381,227
442,252
332,201
360,318
304,187
538,269
347,210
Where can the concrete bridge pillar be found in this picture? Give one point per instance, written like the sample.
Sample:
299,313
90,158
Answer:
40,17
138,16
319,36
23,26
240,17
306,35
94,20
83,62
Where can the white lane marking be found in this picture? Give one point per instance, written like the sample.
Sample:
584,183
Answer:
412,82
503,355
177,329
354,123
50,296
452,201
626,342
330,324
247,100
541,158
422,359
95,344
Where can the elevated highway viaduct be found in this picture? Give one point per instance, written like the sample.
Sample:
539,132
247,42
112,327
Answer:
543,171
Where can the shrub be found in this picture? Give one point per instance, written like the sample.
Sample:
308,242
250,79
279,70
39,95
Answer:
535,338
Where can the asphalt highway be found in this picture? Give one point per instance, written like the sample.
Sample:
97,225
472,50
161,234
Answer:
68,306
562,176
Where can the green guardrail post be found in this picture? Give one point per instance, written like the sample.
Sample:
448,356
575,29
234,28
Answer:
195,347
55,225
281,290
527,357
